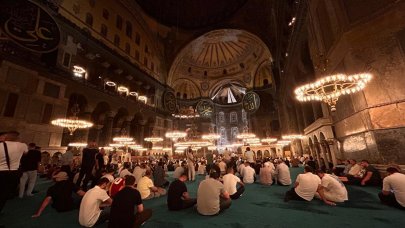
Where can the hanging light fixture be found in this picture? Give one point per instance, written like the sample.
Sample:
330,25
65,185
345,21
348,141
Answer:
269,140
245,135
77,144
175,135
211,136
153,139
330,88
292,137
72,123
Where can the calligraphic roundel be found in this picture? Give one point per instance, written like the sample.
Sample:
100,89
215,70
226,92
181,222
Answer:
251,102
169,101
29,26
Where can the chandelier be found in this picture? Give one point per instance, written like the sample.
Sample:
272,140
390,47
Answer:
211,136
123,139
153,139
72,123
174,135
330,88
77,144
283,142
245,135
193,143
252,140
268,140
186,113
292,137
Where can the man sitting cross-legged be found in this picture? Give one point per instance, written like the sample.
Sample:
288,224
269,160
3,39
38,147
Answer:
306,185
147,189
230,183
123,212
177,195
60,194
393,191
332,190
211,195
90,213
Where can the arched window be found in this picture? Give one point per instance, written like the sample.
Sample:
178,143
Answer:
89,19
234,132
185,96
233,117
127,48
222,133
178,95
221,117
117,40
128,29
104,30
119,22
106,14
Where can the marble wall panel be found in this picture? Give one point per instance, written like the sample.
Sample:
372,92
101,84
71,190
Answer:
391,145
389,116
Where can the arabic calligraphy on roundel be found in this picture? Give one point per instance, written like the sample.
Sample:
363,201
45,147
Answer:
31,27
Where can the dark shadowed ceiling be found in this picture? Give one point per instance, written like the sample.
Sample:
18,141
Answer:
190,14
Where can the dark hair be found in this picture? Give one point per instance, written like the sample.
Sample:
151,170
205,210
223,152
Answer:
129,180
319,171
127,165
215,172
103,180
16,133
110,169
3,133
32,145
392,170
311,158
308,169
247,148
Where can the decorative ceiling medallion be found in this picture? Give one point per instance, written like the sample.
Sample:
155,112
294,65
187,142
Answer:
251,102
247,78
205,85
169,101
29,26
205,108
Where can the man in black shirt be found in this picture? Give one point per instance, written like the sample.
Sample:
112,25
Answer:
61,195
29,167
372,176
178,197
123,207
88,162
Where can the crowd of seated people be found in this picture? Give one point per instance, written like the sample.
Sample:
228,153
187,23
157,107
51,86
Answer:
105,191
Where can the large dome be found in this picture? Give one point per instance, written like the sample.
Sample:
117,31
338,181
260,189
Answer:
218,55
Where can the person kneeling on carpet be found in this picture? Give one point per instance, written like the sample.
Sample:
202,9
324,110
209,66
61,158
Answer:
212,198
393,191
123,207
177,195
61,195
332,190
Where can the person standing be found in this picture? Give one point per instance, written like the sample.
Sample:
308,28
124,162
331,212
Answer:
190,165
123,212
177,195
11,152
249,155
88,162
29,166
393,191
212,198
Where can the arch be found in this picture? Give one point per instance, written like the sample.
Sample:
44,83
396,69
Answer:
99,113
266,153
120,118
264,73
188,87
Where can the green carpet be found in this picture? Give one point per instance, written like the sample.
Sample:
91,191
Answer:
260,206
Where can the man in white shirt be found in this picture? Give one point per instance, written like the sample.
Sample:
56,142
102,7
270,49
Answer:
139,172
230,182
283,173
222,167
248,174
147,189
90,213
306,185
190,165
393,191
11,152
249,155
332,190
179,170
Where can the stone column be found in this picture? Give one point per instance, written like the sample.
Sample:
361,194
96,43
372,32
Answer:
142,124
325,157
97,130
127,125
108,127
